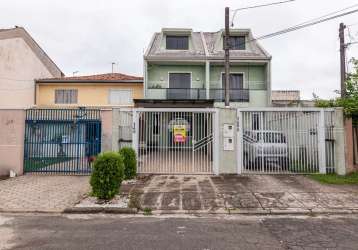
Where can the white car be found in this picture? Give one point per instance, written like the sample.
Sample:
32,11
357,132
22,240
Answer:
265,147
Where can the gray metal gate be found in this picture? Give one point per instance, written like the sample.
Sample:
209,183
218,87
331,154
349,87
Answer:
62,141
174,142
286,140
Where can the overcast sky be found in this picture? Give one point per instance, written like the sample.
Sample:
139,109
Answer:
87,35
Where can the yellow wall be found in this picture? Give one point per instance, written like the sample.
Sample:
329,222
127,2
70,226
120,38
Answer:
96,94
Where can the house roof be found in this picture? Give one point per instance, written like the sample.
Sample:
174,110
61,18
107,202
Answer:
98,78
20,32
205,45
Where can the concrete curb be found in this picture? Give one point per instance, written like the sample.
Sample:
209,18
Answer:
114,210
96,210
258,212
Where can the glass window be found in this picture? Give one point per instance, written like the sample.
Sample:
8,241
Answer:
66,96
236,81
237,43
177,42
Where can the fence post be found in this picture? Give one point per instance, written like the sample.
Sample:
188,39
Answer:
135,131
239,143
340,162
216,142
322,143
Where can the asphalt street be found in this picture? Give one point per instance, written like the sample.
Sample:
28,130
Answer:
36,231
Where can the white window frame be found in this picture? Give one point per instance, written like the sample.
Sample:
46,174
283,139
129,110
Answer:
120,104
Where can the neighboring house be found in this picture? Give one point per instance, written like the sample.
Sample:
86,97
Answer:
186,67
285,98
289,98
21,61
112,89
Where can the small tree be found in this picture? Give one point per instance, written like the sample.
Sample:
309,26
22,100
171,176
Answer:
130,162
350,102
107,175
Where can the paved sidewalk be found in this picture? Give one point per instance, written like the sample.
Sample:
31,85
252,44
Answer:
261,194
41,193
243,194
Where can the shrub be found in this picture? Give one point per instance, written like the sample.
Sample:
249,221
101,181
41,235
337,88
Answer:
147,211
130,162
107,175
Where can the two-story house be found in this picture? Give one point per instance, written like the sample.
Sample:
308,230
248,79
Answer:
175,123
187,68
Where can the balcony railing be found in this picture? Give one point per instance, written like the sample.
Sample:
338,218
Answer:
185,94
236,95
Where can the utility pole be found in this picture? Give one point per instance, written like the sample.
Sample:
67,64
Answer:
227,57
343,59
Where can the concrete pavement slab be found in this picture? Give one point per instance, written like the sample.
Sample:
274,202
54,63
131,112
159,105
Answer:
31,193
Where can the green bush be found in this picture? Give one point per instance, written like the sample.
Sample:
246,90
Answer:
107,175
130,162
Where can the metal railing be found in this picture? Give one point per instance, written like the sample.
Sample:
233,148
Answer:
238,95
62,141
279,141
185,93
217,94
174,142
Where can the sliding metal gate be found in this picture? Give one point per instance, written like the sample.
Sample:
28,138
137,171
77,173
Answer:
61,140
286,140
174,142
125,127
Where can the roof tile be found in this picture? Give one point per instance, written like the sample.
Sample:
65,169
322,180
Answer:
100,77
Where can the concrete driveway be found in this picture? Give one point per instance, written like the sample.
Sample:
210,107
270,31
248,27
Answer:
187,194
41,193
240,194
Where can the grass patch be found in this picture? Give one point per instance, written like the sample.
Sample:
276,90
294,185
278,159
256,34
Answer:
335,179
38,163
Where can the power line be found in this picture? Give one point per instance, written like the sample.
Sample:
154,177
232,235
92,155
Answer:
351,43
262,5
256,6
301,26
327,15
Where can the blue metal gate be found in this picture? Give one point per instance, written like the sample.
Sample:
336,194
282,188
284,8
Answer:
62,141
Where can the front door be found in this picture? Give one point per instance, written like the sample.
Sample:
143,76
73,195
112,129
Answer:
236,81
179,86
236,85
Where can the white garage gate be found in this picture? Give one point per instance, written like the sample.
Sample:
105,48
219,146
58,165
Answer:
286,140
174,141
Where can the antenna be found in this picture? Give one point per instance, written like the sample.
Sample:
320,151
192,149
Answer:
113,64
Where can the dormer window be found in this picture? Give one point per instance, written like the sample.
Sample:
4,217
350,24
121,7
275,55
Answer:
177,42
237,42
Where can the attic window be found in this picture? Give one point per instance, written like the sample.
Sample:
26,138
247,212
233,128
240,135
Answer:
237,42
177,42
